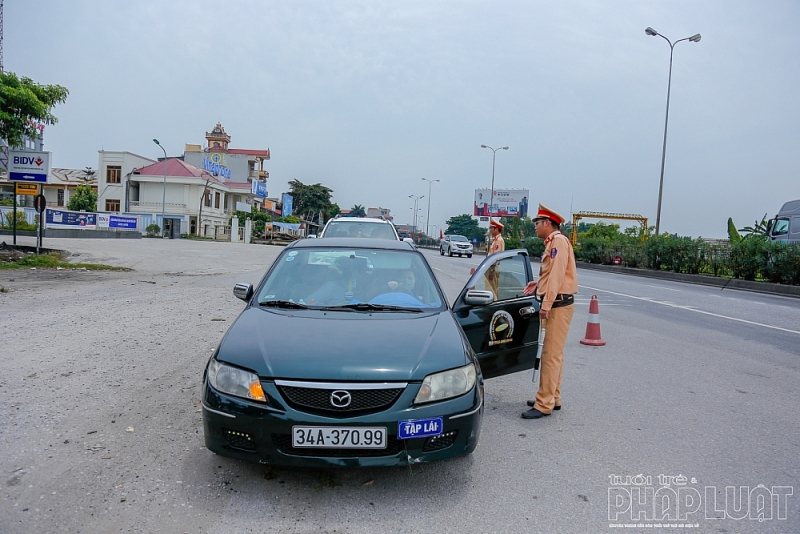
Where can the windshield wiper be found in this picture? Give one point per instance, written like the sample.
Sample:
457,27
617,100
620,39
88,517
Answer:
283,304
365,306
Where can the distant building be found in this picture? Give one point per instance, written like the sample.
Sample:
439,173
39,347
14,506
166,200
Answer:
378,213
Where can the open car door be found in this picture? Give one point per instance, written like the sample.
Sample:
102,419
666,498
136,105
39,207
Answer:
500,321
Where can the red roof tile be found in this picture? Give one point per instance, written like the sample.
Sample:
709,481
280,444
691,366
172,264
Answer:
176,168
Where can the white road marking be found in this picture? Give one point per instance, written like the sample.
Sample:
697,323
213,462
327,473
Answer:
693,309
665,288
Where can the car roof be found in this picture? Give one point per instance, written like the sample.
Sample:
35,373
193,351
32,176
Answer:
353,242
361,219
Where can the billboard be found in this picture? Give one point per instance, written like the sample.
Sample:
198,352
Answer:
505,203
287,205
64,218
259,189
104,220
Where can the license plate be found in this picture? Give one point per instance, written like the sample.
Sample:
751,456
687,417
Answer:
420,428
335,437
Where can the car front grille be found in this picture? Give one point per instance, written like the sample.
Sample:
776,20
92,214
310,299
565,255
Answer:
284,444
319,399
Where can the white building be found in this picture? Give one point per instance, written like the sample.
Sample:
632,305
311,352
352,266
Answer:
172,187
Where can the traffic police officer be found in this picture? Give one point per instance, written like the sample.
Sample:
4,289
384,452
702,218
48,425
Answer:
498,243
555,289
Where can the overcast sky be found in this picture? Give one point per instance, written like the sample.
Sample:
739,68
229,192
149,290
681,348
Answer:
368,98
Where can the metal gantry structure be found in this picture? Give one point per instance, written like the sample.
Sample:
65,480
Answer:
601,215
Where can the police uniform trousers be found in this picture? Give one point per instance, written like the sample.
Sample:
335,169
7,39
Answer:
556,327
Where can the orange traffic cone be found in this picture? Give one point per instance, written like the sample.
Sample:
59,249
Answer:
593,336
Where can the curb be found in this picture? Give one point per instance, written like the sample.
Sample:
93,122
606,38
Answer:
723,283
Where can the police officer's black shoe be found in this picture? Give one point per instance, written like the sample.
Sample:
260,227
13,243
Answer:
532,403
533,413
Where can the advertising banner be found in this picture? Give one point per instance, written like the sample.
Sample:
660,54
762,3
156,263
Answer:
105,220
506,203
259,189
287,205
28,166
70,219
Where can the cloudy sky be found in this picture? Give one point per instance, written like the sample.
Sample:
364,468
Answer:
368,98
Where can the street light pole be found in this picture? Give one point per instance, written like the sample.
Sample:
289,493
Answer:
428,218
491,196
164,188
415,198
694,38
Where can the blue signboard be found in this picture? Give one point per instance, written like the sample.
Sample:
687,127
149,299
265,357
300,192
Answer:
116,221
259,189
287,205
27,166
70,218
420,428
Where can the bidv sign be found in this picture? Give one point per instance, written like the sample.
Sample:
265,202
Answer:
26,166
216,169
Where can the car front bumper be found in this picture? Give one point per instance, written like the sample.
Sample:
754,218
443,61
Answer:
262,433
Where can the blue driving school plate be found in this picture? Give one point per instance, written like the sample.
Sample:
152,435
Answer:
420,428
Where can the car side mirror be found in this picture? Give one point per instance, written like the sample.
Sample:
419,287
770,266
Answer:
475,297
408,240
243,291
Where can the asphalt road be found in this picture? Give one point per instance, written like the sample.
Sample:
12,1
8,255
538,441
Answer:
101,427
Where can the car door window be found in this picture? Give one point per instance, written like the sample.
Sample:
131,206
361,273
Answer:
506,279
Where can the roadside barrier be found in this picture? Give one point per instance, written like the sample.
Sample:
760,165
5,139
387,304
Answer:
593,336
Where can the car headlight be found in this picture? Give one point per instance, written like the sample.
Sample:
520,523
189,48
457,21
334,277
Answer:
235,381
447,384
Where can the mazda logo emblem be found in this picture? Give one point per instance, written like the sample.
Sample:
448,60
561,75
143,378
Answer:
341,399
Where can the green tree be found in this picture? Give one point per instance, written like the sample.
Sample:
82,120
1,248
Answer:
464,225
733,234
358,211
758,230
83,199
88,174
310,199
335,210
23,104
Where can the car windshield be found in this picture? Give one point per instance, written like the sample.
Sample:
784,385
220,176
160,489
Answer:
374,230
325,277
458,238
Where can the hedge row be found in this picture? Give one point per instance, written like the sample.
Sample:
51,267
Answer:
752,258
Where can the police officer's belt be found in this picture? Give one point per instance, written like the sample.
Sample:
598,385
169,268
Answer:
562,299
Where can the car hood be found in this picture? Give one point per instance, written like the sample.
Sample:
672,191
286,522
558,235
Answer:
316,345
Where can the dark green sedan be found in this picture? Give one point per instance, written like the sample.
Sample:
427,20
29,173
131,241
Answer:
348,354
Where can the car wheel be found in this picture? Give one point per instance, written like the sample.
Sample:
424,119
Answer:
469,255
450,252
441,251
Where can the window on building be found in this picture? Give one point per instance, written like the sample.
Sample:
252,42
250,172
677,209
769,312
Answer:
113,174
60,201
112,204
216,199
207,201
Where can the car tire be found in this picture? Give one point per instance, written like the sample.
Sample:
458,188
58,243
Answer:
450,252
469,255
441,251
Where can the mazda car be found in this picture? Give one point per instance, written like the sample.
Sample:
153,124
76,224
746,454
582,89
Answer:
348,354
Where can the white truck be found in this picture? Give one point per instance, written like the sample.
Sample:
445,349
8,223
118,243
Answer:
785,227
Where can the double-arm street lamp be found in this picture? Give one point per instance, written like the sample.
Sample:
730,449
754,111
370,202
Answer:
416,199
694,38
164,188
428,218
491,196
